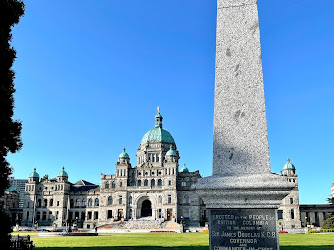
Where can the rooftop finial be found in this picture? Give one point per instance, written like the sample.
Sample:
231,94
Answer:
124,150
63,168
288,159
158,109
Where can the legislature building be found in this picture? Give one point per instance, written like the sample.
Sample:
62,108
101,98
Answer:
154,189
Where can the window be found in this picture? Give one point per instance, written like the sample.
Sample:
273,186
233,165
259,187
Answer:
39,203
57,203
57,214
107,184
28,204
83,215
38,216
280,214
84,202
77,203
186,199
121,184
90,202
291,200
109,200
120,200
183,183
159,182
160,200
51,202
152,183
109,215
89,215
133,183
71,203
145,182
186,213
292,212
169,199
169,183
113,184
27,215
97,202
139,183
130,200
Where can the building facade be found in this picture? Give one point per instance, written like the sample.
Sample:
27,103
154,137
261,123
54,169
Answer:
19,186
154,189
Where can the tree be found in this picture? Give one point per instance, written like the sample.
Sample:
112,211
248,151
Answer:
10,130
328,223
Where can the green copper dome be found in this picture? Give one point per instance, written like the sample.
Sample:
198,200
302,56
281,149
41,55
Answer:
184,169
171,152
124,154
289,165
158,134
34,174
63,173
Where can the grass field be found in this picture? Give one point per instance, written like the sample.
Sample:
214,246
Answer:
170,241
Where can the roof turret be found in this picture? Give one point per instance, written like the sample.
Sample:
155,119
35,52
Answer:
34,174
171,152
289,165
184,169
124,154
62,173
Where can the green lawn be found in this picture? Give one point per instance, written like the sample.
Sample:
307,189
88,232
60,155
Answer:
172,241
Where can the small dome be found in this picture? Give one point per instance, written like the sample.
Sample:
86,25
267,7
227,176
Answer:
63,173
184,169
171,152
34,174
124,154
289,165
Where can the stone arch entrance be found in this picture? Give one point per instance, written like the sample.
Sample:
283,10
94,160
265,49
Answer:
146,208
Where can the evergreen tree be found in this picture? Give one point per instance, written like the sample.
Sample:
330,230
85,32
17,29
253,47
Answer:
328,223
10,130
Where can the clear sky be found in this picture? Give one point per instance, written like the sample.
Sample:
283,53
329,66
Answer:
90,74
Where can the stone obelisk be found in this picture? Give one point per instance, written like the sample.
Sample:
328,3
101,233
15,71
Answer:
242,195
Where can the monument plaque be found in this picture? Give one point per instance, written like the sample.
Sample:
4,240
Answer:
246,229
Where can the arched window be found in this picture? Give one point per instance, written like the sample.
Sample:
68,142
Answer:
292,212
107,184
145,182
121,184
139,183
152,183
113,184
90,202
84,202
186,199
77,203
71,203
130,200
159,182
97,202
132,183
51,202
120,199
109,200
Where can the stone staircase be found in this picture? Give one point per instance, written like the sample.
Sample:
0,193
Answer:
171,225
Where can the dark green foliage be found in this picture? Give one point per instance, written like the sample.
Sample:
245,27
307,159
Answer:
10,130
4,230
328,223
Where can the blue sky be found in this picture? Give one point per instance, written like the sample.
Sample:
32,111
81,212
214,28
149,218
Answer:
89,76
